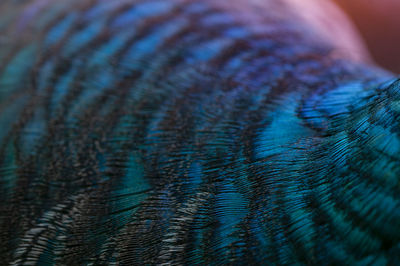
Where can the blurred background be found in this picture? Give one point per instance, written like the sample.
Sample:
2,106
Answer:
379,24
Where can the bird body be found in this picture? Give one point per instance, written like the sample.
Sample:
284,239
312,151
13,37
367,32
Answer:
192,132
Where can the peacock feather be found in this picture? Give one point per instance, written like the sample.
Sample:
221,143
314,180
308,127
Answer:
191,132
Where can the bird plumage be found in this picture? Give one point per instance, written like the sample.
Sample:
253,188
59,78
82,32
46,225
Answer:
183,132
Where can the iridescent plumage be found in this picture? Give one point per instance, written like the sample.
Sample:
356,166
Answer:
184,132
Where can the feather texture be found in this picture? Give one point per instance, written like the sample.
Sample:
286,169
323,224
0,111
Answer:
184,132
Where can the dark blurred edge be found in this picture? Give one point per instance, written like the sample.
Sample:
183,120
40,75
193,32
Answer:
379,24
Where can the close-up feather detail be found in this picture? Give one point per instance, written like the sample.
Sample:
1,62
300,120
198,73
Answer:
179,132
